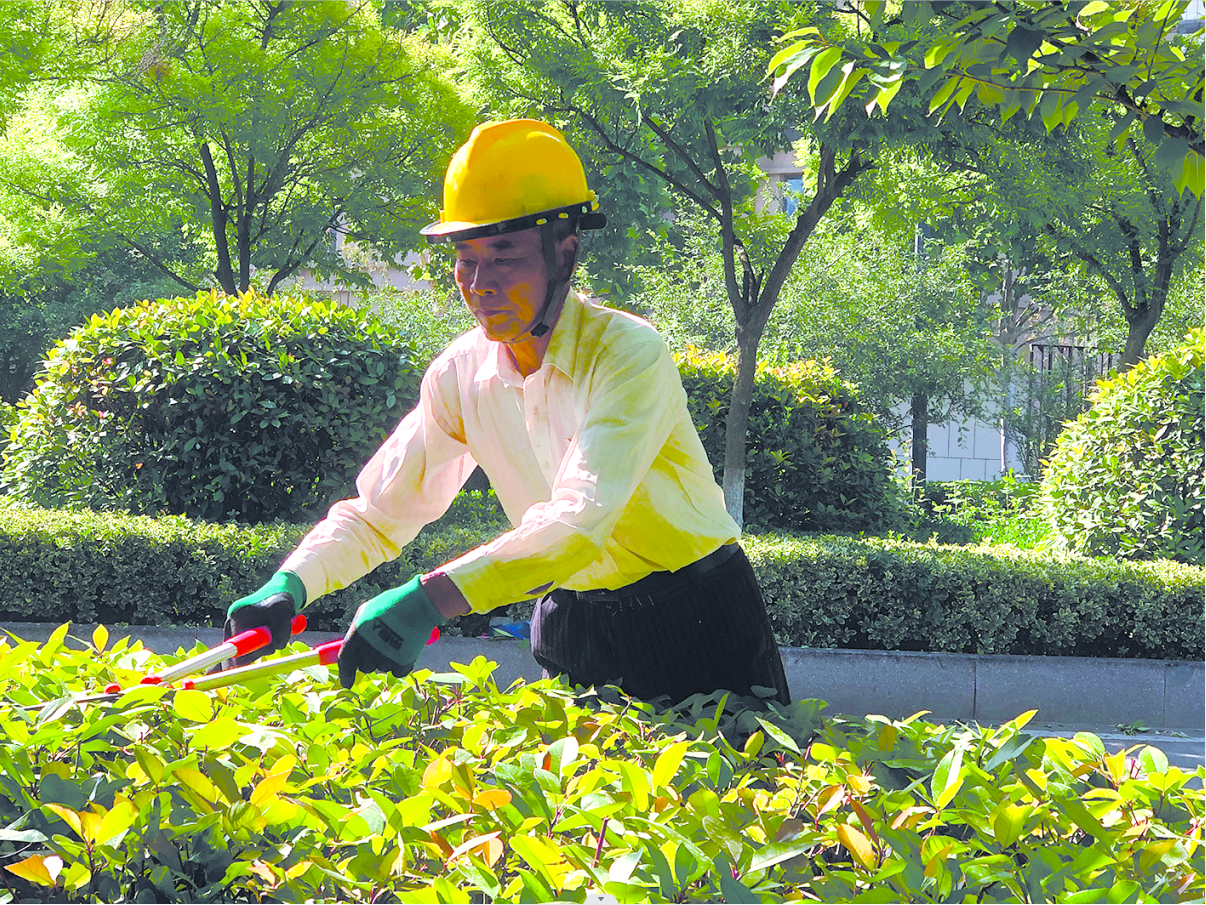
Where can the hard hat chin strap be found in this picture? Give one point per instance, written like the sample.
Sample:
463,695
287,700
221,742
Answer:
556,285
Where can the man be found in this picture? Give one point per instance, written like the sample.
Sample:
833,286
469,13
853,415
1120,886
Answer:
577,415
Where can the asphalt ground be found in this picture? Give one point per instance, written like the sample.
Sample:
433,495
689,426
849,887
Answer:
1125,703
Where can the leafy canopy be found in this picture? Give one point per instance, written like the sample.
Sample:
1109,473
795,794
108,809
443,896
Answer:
259,129
1057,60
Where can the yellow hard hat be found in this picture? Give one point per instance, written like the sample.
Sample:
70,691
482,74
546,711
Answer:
510,176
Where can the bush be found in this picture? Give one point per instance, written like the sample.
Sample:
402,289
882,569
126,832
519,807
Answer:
1126,477
825,592
58,566
244,408
8,420
446,789
815,459
876,594
972,512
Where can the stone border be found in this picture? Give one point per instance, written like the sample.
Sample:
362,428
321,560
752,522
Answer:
985,688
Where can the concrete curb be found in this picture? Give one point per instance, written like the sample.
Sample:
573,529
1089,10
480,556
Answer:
987,689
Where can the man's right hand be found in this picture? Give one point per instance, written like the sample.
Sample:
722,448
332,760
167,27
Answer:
273,606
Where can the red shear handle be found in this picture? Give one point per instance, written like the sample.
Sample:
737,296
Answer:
328,654
253,639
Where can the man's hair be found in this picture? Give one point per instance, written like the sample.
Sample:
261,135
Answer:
563,228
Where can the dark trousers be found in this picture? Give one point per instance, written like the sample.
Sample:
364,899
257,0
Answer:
699,629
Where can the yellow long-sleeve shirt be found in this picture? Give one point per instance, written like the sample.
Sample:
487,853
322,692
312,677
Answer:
594,459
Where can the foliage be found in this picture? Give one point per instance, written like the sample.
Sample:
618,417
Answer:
1093,196
1005,511
1076,199
40,308
443,788
260,129
248,407
428,320
23,45
821,591
816,459
1058,60
883,594
111,567
8,420
1126,478
897,321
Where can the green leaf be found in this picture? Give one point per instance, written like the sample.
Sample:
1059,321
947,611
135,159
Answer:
189,704
667,765
822,65
781,737
1152,760
948,777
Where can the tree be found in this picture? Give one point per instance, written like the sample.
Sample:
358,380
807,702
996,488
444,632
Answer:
1057,59
24,44
260,129
902,319
1076,199
671,95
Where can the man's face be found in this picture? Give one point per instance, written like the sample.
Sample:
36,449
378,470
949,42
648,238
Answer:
503,281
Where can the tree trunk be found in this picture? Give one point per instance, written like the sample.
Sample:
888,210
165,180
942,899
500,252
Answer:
218,217
736,425
1139,323
919,410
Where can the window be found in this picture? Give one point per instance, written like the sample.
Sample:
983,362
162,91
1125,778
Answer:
787,185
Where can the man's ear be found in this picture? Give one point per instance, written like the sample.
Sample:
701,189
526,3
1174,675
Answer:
567,257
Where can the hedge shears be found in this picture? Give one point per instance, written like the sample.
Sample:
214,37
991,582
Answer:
240,645
326,654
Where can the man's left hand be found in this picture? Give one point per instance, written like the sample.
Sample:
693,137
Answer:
388,633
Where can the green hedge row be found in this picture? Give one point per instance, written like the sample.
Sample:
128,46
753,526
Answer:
878,594
822,591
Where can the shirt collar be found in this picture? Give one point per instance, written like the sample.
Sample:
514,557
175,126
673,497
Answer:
562,351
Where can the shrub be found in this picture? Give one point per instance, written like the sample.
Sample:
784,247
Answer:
442,788
815,459
826,592
970,512
57,565
244,408
1126,477
8,420
877,594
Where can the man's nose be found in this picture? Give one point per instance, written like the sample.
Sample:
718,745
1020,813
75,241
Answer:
483,282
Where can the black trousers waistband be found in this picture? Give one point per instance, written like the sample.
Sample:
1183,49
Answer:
659,582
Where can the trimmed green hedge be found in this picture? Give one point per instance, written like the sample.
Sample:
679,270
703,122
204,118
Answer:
228,408
823,591
877,594
816,459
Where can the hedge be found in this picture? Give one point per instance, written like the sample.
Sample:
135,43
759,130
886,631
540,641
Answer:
878,594
444,788
822,591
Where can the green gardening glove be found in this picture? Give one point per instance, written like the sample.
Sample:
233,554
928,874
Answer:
272,606
388,633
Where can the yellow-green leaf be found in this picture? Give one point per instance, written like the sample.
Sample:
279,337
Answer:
35,870
857,844
190,704
667,765
68,816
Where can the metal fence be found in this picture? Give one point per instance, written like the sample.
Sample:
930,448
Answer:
1059,387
